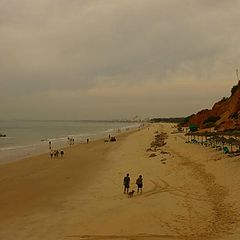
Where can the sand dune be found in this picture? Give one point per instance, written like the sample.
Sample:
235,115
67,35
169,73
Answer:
190,192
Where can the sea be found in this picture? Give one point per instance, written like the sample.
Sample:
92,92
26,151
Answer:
27,138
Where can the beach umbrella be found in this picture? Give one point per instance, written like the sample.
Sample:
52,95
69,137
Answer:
232,141
223,140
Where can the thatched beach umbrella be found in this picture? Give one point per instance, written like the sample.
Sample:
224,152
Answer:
223,140
187,137
211,139
232,141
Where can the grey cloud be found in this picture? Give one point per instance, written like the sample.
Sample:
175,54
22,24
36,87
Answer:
77,45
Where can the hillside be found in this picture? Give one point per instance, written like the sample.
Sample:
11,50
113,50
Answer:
224,115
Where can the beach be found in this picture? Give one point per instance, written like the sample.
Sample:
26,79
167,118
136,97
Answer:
189,191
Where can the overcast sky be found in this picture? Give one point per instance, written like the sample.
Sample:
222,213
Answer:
108,59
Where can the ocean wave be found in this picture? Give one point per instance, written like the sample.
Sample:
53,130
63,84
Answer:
4,138
57,139
110,130
13,148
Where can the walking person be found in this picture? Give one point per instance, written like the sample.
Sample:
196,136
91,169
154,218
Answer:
62,153
139,183
56,153
126,183
50,145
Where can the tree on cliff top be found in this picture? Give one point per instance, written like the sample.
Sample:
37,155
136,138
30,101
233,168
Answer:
234,89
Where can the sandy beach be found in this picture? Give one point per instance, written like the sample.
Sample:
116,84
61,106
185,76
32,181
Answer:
190,192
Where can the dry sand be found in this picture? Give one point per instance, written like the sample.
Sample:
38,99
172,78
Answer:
190,192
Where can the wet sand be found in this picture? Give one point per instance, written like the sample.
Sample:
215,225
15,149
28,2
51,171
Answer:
190,192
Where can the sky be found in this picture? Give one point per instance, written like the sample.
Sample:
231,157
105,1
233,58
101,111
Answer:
115,59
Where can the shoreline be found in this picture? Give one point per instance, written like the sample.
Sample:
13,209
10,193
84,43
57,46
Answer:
42,147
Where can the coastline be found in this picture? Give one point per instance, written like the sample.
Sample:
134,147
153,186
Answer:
190,192
17,153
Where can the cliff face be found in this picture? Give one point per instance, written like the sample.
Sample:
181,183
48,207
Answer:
224,115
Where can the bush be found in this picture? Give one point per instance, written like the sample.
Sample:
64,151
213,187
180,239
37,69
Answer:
224,99
234,89
211,119
209,125
193,128
234,115
185,121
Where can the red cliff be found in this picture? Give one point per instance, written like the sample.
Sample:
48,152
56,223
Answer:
224,115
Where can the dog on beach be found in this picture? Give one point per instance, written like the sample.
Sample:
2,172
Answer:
130,194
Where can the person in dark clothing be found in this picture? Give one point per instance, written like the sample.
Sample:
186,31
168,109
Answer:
56,152
50,145
126,183
62,153
139,183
